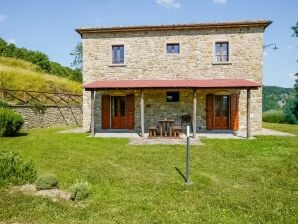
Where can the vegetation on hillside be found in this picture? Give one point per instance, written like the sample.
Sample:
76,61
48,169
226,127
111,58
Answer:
40,59
274,97
20,74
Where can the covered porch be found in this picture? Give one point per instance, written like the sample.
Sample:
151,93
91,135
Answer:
147,108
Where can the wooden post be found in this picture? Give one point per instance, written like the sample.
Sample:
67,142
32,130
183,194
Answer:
194,116
92,114
142,113
248,114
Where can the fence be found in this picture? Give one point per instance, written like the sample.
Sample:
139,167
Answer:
45,109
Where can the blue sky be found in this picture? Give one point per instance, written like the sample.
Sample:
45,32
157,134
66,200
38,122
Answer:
49,25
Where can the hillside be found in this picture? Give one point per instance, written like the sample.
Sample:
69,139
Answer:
274,97
19,74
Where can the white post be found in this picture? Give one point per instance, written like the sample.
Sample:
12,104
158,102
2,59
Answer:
142,113
187,156
194,116
92,114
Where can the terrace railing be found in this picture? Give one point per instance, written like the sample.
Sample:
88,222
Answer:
27,97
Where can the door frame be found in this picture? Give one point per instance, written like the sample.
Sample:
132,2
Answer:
110,110
229,108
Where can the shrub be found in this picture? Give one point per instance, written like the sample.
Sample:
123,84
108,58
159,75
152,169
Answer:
46,181
10,122
80,190
14,171
4,104
273,116
291,111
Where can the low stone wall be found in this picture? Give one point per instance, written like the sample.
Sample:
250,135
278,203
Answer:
50,116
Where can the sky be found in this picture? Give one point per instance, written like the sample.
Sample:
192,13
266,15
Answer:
49,25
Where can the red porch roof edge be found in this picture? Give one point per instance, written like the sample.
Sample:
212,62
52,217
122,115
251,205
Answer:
202,83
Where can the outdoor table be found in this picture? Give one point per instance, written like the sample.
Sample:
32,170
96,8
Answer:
167,123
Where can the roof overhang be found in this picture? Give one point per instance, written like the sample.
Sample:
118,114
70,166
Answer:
191,26
195,84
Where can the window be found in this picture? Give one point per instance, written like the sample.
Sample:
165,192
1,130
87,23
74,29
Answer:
221,51
118,54
172,96
173,48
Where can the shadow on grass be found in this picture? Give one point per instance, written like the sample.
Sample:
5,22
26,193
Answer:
180,173
20,134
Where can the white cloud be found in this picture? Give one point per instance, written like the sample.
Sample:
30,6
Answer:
289,47
169,3
292,76
220,1
11,41
3,18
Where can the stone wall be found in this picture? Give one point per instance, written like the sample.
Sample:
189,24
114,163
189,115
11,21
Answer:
146,58
52,116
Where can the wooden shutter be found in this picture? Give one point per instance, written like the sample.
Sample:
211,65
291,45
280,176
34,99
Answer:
210,112
105,112
130,112
234,110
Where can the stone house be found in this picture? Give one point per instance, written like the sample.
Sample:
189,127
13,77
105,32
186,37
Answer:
208,74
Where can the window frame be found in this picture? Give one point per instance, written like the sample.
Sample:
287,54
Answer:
112,62
228,61
173,43
173,101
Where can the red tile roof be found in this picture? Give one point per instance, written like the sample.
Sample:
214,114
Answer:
203,83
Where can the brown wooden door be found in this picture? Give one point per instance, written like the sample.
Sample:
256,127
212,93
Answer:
234,112
118,112
221,112
105,112
130,112
210,112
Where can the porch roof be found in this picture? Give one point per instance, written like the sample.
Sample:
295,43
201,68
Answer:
199,83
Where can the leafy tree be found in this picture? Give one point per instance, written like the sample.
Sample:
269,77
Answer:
77,55
291,107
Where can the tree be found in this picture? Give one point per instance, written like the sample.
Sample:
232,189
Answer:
291,107
77,55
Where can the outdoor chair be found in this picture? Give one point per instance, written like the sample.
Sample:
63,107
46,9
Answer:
176,129
152,130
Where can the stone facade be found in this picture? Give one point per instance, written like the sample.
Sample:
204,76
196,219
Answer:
146,59
52,116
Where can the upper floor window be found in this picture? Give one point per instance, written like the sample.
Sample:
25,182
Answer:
118,54
173,48
221,52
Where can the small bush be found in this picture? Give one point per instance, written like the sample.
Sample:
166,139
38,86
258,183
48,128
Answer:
273,116
46,181
291,111
10,122
4,104
80,190
14,171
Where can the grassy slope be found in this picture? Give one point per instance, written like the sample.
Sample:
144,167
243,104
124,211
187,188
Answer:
233,181
19,74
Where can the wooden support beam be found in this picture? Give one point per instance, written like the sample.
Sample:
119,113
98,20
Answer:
142,114
92,114
248,134
194,116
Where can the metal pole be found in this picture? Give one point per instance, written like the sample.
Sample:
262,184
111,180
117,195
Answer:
187,157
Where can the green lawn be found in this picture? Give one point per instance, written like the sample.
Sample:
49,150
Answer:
233,181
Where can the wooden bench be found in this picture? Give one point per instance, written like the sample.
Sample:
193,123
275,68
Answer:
152,130
176,129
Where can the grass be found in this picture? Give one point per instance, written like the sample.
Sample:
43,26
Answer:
19,74
233,181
